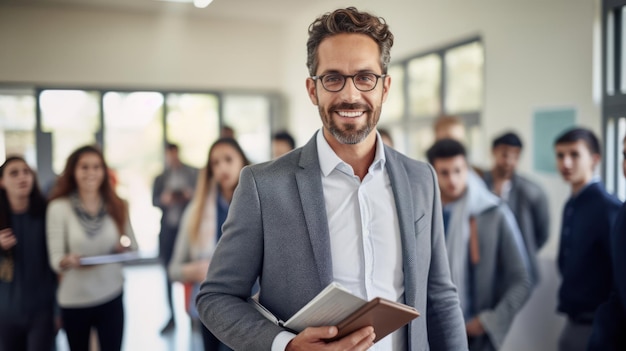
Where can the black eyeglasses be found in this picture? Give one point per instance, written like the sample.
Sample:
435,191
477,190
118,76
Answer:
334,82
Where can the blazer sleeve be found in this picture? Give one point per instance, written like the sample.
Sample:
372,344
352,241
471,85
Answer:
446,328
514,277
540,211
234,269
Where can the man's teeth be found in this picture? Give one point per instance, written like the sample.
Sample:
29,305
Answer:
350,114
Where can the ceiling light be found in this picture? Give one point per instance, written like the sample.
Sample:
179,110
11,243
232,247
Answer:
201,3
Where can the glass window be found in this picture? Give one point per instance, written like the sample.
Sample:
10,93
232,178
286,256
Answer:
610,54
193,124
249,116
72,117
393,108
464,78
420,140
621,177
17,126
609,155
424,85
133,139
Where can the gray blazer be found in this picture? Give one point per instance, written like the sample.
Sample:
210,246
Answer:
277,230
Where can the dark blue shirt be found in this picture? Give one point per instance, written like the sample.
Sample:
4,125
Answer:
34,284
584,254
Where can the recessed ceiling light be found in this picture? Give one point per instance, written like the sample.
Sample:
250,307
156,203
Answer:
201,3
197,3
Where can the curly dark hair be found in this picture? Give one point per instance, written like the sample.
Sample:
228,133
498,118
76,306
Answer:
349,20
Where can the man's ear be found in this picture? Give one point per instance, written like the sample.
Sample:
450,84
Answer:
386,85
596,158
312,91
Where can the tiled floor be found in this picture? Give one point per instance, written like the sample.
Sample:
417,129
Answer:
146,313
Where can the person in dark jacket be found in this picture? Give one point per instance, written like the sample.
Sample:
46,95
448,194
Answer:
171,192
584,258
610,322
27,284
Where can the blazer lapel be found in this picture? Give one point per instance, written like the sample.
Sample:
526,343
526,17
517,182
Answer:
406,218
309,182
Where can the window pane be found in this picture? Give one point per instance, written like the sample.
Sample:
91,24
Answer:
249,116
193,124
464,78
72,116
610,53
610,157
623,47
621,180
133,139
424,85
419,141
394,106
17,126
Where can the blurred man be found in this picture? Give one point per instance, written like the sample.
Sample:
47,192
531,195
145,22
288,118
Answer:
584,259
609,324
525,198
449,127
171,192
484,251
282,143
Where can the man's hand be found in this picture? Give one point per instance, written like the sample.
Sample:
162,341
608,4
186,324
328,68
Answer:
166,198
474,327
312,339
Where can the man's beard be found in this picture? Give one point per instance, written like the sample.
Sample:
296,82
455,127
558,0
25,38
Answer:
351,134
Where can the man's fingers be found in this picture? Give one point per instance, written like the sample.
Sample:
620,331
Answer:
320,332
359,340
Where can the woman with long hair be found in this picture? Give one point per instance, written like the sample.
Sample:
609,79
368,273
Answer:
87,218
201,224
27,284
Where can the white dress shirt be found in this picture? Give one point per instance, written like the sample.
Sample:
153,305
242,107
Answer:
364,232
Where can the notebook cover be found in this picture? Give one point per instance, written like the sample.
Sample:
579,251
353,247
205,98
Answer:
384,315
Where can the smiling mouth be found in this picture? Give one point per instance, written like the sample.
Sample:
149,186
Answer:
350,114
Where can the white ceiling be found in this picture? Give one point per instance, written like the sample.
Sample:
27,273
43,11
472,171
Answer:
277,11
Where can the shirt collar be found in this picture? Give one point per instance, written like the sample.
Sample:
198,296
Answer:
329,160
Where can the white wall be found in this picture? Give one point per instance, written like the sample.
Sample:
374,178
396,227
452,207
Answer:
70,46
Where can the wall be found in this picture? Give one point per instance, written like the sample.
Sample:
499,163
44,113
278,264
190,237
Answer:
72,46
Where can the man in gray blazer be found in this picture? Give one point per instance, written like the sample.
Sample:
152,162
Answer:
526,198
485,249
343,208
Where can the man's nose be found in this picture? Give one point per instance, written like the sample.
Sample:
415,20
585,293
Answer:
350,93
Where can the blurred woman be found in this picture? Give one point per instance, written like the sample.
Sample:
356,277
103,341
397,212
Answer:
86,218
201,224
27,285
